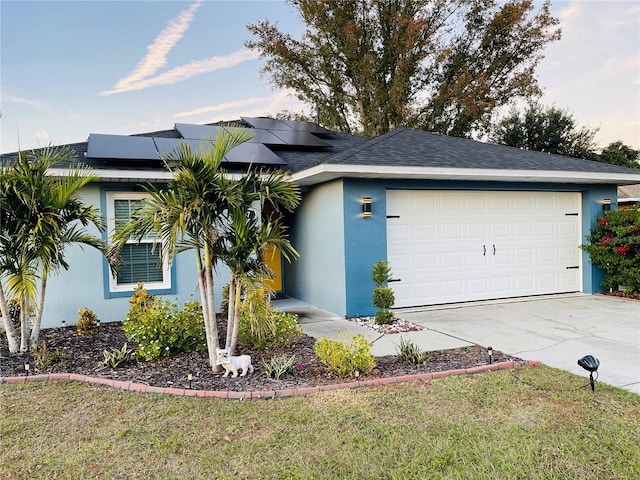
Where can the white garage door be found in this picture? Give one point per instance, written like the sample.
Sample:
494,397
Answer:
457,246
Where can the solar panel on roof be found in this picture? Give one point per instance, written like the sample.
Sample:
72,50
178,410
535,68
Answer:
121,147
310,127
299,139
206,132
166,145
265,136
197,132
266,123
253,153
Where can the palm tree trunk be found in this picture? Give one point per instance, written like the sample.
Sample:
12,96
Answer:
236,317
231,310
213,325
12,337
24,326
211,346
35,333
205,307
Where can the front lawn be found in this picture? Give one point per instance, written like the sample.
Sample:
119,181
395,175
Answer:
528,423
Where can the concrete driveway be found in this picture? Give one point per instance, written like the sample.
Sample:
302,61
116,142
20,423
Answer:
556,330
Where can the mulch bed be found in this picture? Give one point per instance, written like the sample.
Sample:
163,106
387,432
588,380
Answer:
83,355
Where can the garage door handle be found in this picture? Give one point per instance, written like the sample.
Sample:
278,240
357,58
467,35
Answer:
494,250
394,280
484,252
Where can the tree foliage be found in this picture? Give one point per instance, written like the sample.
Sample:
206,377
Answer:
40,216
617,153
369,66
545,129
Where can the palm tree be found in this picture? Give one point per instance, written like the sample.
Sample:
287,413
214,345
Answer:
188,215
41,215
246,236
205,209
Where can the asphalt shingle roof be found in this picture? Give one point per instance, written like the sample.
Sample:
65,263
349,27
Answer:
401,147
417,148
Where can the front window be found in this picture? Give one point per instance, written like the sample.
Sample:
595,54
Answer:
140,258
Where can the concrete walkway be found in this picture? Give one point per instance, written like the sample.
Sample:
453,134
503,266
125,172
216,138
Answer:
556,330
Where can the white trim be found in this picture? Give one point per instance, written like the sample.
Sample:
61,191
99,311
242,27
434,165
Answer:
135,176
327,172
114,287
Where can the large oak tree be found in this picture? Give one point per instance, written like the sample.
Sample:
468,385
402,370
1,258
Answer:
545,129
369,66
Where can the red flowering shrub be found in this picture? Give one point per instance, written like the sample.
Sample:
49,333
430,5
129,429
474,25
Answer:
614,246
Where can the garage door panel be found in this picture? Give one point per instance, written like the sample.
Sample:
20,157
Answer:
442,246
451,232
424,232
545,229
478,287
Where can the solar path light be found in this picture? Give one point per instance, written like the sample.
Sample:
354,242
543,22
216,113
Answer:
590,364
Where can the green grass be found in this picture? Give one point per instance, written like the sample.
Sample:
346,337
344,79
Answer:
489,426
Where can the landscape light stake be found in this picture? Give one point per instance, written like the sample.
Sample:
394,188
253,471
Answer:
590,364
98,324
26,368
190,379
64,324
490,352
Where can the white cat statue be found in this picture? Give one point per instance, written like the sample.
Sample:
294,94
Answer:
234,363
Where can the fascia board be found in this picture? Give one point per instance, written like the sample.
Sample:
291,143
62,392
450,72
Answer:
326,172
126,175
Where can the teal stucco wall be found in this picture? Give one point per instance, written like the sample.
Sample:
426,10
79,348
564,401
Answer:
318,234
83,284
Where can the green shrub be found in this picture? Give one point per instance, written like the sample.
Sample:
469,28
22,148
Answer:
141,301
344,359
383,296
87,322
614,246
278,366
275,330
411,353
160,328
43,357
381,273
115,357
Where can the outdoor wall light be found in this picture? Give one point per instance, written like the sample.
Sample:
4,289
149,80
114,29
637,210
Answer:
490,352
590,364
606,205
366,207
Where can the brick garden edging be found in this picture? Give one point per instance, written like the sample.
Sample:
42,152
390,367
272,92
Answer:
262,394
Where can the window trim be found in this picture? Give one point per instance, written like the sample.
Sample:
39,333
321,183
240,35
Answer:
112,288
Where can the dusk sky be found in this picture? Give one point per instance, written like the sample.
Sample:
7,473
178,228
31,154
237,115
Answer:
72,68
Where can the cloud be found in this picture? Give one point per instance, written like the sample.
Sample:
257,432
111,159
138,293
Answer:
25,101
142,76
281,100
43,136
226,106
157,52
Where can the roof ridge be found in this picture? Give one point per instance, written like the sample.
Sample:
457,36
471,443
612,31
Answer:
374,141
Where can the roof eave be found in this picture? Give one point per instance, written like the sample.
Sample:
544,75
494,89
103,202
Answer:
327,172
129,176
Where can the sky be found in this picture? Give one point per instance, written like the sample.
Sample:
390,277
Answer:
68,69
